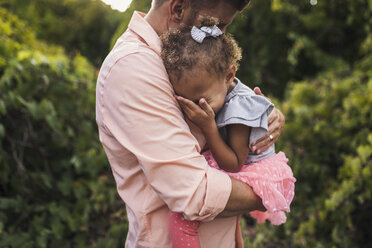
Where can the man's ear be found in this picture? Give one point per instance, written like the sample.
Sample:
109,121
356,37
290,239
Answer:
230,75
177,10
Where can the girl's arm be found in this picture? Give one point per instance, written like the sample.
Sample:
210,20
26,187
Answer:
229,157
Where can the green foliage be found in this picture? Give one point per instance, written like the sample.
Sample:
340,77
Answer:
55,185
328,138
287,41
83,26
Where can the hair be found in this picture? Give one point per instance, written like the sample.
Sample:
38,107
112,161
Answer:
197,5
180,52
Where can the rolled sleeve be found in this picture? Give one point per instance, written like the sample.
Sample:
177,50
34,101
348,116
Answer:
216,199
138,109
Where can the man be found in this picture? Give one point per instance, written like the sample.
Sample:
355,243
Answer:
154,154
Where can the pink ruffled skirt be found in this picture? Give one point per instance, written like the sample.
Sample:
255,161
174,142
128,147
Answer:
272,180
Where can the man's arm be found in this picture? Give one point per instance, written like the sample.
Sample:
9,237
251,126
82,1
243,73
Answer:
242,200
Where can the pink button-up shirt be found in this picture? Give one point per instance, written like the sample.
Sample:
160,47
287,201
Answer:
154,154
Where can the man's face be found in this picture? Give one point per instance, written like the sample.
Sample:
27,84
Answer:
223,11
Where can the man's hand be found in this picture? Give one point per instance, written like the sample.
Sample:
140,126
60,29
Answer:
276,126
201,115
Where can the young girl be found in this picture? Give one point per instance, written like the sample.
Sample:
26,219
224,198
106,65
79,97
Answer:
201,63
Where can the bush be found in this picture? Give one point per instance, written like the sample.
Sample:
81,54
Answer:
328,138
285,41
55,184
80,26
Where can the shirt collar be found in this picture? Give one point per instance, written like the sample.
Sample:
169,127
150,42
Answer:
143,29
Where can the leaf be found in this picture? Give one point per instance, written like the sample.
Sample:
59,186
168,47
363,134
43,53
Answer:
47,180
13,203
364,152
2,107
370,138
24,54
2,131
76,162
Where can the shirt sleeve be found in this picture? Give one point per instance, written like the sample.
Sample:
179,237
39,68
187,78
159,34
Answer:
247,109
140,111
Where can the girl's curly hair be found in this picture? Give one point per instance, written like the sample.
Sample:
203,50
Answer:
180,52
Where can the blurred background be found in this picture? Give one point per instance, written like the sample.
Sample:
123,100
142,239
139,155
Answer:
312,57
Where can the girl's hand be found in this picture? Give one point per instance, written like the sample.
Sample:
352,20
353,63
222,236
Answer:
276,126
201,115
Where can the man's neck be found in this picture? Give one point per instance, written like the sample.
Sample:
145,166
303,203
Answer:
158,20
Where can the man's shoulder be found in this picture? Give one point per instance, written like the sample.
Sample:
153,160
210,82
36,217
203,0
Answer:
133,55
131,50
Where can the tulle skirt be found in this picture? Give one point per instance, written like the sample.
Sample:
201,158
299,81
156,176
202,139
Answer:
272,180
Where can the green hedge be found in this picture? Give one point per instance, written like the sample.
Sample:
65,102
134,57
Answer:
328,139
80,26
56,189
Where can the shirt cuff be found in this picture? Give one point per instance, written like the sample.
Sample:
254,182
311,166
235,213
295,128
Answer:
218,190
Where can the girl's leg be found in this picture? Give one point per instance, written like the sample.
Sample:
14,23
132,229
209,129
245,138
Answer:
184,233
239,243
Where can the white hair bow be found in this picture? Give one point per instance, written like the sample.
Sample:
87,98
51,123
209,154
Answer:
198,34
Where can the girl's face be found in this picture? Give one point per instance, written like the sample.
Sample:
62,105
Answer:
198,83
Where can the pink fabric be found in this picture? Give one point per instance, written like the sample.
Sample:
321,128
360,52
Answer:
272,180
153,153
184,233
